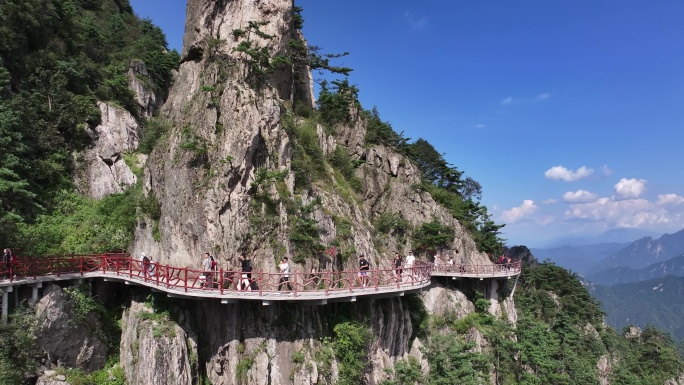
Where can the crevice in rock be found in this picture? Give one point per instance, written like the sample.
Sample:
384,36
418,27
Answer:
260,156
195,53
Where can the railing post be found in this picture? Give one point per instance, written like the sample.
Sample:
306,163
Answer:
261,282
221,281
130,267
166,276
185,284
59,266
376,278
80,262
103,262
295,283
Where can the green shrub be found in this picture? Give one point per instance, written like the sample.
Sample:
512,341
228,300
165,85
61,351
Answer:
83,302
432,236
19,351
152,130
83,225
351,349
390,223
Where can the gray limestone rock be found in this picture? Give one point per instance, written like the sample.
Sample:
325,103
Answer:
155,350
69,340
140,82
105,171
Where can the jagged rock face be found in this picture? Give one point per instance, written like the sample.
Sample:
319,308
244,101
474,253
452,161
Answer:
140,82
226,128
522,253
68,340
676,381
247,343
604,370
441,301
391,332
204,190
156,350
51,377
106,172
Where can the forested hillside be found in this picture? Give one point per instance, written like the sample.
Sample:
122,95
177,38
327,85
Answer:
559,338
57,58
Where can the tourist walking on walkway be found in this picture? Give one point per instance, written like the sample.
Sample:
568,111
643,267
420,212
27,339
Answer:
284,268
398,262
207,269
6,267
145,265
450,264
364,266
246,276
410,260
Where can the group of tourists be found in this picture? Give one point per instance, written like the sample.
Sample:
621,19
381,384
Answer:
504,262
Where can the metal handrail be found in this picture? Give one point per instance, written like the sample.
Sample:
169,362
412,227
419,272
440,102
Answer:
222,281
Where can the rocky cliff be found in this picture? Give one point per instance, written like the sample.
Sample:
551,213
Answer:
229,124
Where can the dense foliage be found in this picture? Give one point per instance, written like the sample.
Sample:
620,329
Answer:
57,57
447,185
559,339
19,351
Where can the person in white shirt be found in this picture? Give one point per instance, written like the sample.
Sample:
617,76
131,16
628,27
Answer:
208,272
410,259
284,268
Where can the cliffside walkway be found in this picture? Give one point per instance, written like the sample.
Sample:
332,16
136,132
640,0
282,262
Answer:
231,286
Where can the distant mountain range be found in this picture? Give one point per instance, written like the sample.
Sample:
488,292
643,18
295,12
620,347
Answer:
656,302
617,275
580,259
638,281
645,251
610,236
590,259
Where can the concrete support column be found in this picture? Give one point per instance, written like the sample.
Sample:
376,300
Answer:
34,291
5,302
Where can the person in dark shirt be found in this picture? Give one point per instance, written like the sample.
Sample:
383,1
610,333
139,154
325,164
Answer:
6,263
246,276
364,266
398,263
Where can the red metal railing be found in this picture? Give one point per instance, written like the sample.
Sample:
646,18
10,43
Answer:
223,281
505,269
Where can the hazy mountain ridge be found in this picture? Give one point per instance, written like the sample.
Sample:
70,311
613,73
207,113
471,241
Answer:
610,236
579,258
673,266
646,251
644,303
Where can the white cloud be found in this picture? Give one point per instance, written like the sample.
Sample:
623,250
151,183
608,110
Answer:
542,97
549,201
562,173
579,196
606,171
480,125
630,188
516,213
507,101
625,213
415,22
669,199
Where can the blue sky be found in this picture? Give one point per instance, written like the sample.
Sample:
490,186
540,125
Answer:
569,113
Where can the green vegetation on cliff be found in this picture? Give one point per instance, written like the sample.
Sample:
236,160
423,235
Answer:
57,58
559,338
